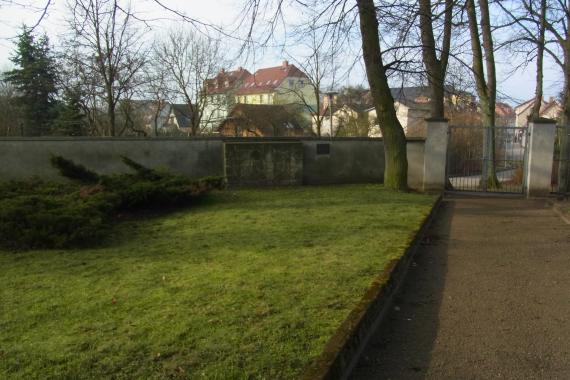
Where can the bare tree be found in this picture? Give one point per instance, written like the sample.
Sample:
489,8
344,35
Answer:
485,81
436,64
189,60
319,66
396,167
540,43
156,86
551,19
528,39
11,120
108,45
340,19
83,80
39,7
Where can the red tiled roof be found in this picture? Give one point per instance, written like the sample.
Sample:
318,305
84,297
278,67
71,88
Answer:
503,109
268,79
226,80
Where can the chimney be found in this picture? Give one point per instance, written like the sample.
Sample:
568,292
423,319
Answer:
285,64
223,71
240,68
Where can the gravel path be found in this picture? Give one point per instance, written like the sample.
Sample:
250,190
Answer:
488,297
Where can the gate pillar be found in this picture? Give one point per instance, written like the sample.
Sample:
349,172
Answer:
538,170
435,154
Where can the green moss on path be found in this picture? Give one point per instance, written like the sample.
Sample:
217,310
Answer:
248,284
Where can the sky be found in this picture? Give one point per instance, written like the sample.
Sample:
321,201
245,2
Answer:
513,88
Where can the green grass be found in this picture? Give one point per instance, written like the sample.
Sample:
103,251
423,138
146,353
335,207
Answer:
247,284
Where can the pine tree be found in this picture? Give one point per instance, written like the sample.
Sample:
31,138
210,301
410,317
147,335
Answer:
34,79
71,119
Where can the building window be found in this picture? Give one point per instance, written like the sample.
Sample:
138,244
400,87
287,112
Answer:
260,99
291,83
301,83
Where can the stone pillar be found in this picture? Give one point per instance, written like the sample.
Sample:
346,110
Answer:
435,155
538,168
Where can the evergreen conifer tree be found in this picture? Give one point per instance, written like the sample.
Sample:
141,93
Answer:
71,119
34,79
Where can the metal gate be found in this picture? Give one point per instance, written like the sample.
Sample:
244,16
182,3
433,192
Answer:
561,162
470,155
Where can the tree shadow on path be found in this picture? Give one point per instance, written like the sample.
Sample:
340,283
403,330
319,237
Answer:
401,347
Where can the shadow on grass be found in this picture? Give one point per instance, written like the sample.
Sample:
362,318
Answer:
123,226
402,347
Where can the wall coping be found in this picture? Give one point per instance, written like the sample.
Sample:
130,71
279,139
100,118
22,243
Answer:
542,120
203,138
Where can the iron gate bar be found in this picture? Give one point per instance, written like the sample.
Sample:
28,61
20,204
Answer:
469,152
560,183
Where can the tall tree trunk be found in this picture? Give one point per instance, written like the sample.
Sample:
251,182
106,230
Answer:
539,62
486,88
318,118
111,114
157,111
565,118
435,68
563,138
396,166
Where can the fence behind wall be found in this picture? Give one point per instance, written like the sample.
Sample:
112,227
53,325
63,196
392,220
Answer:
469,152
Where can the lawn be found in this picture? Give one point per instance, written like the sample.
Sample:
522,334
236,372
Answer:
245,284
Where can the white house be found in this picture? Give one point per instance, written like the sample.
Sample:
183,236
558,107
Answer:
284,84
220,97
411,105
280,85
550,109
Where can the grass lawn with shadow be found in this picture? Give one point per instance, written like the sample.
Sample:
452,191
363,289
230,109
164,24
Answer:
245,284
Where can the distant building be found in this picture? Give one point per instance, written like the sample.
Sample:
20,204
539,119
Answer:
220,96
347,120
550,109
179,117
263,120
412,105
285,84
280,85
504,115
149,117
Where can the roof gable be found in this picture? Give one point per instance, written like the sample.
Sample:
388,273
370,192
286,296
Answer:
182,113
226,80
270,78
523,106
545,106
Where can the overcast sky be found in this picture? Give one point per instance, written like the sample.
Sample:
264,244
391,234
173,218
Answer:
515,88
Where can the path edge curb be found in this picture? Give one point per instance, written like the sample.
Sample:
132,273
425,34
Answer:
556,209
344,348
